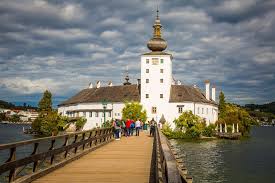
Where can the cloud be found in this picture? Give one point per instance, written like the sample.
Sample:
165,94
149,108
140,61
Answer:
68,34
65,45
110,34
27,86
40,8
113,21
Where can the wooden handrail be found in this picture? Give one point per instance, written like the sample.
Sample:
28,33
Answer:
81,143
26,142
168,167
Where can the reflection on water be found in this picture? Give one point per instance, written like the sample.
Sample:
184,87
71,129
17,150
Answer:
250,160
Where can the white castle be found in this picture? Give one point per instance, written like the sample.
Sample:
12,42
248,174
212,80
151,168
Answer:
161,96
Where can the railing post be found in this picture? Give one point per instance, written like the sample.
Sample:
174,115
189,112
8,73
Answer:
100,135
65,144
83,138
75,139
35,147
12,158
51,148
96,134
90,136
104,135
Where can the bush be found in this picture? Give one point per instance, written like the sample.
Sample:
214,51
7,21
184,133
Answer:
166,130
209,130
192,133
79,124
107,124
229,128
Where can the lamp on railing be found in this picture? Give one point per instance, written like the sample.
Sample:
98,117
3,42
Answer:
104,104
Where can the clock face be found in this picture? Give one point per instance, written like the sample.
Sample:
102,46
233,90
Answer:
155,61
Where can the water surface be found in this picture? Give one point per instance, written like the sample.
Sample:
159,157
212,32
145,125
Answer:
249,160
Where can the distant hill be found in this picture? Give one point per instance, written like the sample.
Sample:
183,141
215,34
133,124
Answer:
8,105
269,108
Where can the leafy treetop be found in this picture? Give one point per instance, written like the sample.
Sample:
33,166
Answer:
134,111
45,104
222,108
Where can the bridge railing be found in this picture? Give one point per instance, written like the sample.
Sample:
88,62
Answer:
47,154
169,167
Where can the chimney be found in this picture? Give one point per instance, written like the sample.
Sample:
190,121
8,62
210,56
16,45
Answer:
213,93
98,84
91,85
110,83
207,88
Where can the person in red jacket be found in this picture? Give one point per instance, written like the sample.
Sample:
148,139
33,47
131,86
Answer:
128,126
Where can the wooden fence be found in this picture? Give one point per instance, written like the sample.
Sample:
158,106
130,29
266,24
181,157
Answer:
169,167
58,151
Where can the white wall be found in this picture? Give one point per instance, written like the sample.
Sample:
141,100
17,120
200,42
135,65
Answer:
154,88
94,121
209,112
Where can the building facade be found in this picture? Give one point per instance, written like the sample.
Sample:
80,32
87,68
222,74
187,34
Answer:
157,91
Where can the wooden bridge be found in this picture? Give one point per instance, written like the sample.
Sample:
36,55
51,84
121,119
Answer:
94,156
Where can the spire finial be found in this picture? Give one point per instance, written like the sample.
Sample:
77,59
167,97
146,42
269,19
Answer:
127,77
157,11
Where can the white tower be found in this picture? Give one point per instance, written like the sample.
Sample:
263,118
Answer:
156,75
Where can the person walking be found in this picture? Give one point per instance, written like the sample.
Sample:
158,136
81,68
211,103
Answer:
132,127
152,127
123,128
141,125
128,127
117,128
137,125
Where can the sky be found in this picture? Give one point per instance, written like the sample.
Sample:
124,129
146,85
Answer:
63,45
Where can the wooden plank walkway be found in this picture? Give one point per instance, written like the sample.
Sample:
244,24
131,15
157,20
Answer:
127,160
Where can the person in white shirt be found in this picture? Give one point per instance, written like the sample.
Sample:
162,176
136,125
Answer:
137,125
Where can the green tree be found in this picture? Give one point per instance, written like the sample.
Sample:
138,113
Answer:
186,120
45,104
3,116
134,111
235,114
222,105
50,124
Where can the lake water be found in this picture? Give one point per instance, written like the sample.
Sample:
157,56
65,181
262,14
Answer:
12,133
249,160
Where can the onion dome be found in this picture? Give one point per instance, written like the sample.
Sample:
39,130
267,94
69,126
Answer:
157,43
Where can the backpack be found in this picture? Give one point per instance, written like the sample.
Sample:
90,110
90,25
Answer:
132,125
123,124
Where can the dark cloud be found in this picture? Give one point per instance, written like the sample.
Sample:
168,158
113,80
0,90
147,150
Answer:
65,45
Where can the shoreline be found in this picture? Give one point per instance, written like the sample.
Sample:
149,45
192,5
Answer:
16,123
